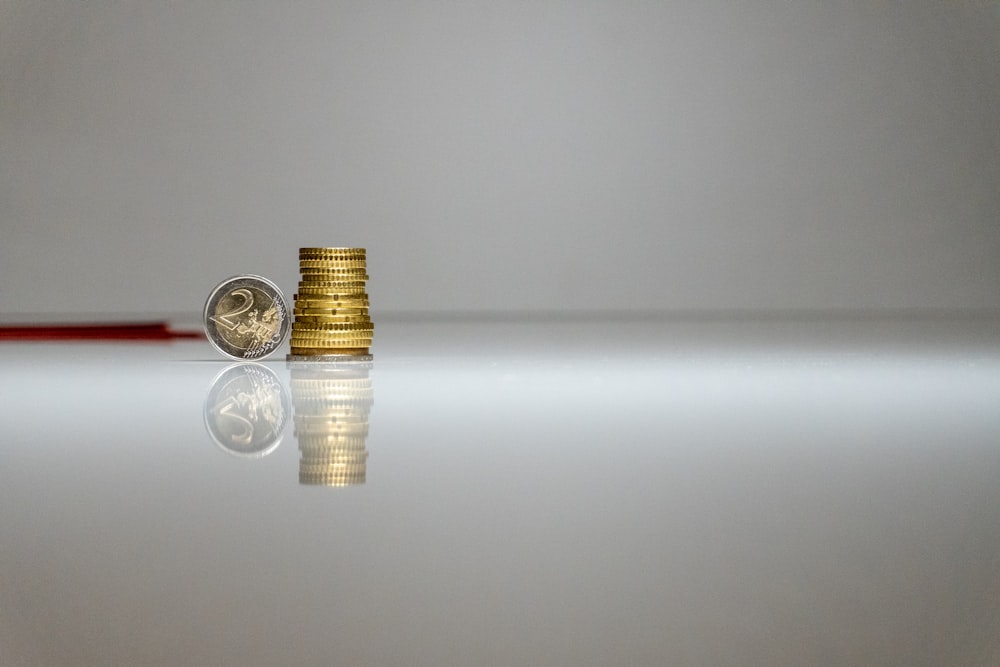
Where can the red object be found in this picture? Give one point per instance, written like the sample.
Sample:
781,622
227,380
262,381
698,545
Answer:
110,331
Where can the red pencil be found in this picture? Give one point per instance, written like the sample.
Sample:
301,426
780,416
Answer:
123,331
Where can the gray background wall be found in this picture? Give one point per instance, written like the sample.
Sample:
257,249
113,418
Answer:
496,155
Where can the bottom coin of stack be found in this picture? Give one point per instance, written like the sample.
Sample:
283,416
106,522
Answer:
331,404
331,319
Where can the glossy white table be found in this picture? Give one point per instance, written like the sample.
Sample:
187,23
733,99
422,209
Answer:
536,492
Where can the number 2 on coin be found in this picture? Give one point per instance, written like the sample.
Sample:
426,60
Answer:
224,319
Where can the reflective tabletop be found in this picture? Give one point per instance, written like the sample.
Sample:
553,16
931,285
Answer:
511,491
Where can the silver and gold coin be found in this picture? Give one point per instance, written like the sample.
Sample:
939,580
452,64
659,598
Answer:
246,317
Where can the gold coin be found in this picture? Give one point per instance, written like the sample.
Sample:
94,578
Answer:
331,251
334,326
329,294
326,302
314,279
334,293
339,295
301,332
343,341
321,302
310,321
332,334
328,343
332,257
312,349
334,354
334,274
349,285
336,286
331,307
361,310
307,337
323,338
313,327
331,317
323,279
332,263
355,273
359,341
319,328
313,276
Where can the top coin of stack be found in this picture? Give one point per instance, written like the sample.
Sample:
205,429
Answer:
331,306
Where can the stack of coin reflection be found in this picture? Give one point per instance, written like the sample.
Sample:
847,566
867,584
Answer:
331,305
331,403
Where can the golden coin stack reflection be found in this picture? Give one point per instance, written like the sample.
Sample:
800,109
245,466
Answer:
331,305
331,404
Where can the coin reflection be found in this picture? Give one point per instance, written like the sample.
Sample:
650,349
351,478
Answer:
246,410
331,403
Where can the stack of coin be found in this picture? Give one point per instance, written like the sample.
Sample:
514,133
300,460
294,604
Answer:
331,404
331,306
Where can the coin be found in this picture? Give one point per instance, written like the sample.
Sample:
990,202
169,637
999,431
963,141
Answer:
306,301
246,317
332,253
332,328
246,410
344,355
339,346
331,311
340,338
318,321
334,275
333,263
349,286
